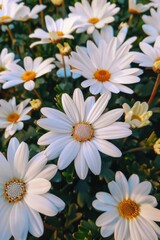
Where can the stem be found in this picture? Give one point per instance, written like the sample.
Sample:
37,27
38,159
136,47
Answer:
130,19
63,8
38,95
12,39
154,89
57,10
64,65
42,14
137,149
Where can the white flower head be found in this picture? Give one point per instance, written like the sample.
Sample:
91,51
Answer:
6,59
129,212
137,116
107,34
67,70
12,115
10,11
57,30
24,186
137,8
150,56
89,17
81,132
32,70
151,28
31,13
104,67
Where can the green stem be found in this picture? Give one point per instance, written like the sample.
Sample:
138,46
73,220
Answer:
137,149
154,89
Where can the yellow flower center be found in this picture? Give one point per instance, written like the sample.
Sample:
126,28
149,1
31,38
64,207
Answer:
156,66
93,20
4,18
2,68
102,75
14,190
128,209
136,117
133,11
13,117
83,131
60,34
28,75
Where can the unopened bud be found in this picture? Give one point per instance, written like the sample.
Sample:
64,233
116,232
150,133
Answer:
35,104
57,2
64,49
156,66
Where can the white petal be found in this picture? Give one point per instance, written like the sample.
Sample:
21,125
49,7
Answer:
38,186
149,212
98,108
106,218
123,184
68,154
36,227
12,148
60,205
107,147
70,108
92,157
48,172
19,221
40,204
115,191
29,85
80,164
121,229
21,160
79,101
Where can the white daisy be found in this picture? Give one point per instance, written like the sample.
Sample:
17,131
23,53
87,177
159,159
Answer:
57,30
81,131
12,115
89,17
27,75
151,28
129,212
150,56
137,8
31,14
24,187
137,116
61,72
107,34
6,59
10,11
105,67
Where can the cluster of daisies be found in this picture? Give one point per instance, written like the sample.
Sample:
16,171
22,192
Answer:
83,129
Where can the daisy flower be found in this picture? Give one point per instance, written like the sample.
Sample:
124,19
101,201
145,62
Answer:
6,59
129,212
137,8
151,28
81,131
89,17
27,75
10,11
137,116
12,115
68,68
150,56
107,34
57,30
105,68
24,186
31,14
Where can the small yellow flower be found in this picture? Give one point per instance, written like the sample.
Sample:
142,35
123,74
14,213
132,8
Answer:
64,49
137,116
57,2
35,104
156,147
